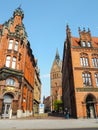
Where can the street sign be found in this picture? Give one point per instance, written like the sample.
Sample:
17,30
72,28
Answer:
41,108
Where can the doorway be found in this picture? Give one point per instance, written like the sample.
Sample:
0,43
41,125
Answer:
7,102
90,106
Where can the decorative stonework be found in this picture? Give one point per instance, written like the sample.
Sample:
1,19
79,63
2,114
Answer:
86,68
87,89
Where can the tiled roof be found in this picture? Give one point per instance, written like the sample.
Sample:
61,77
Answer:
75,41
95,41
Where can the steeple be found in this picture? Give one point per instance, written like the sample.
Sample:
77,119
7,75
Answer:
68,32
57,57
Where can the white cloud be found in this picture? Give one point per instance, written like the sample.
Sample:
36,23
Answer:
45,76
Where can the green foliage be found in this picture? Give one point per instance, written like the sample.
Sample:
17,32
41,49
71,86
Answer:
58,105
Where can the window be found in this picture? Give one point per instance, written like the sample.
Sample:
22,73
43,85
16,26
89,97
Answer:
89,44
96,79
95,60
84,59
13,62
86,79
8,58
86,44
83,44
10,81
10,44
16,46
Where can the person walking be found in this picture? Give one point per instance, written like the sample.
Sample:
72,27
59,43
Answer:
66,113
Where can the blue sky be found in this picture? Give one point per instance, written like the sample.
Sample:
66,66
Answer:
45,22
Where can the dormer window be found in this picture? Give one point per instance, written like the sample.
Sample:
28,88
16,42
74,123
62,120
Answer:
84,44
85,38
89,44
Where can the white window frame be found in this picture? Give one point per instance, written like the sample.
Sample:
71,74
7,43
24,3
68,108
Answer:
96,79
86,79
14,62
84,44
89,44
10,81
84,61
10,44
95,62
8,59
16,46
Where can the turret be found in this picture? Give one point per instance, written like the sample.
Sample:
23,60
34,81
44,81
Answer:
18,16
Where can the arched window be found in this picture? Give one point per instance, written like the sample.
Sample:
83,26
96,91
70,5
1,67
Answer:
16,46
10,44
96,79
8,58
86,76
84,60
95,60
10,81
14,62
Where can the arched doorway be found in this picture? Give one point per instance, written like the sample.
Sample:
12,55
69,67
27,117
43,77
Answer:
7,105
90,106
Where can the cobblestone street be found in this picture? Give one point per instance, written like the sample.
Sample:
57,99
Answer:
50,123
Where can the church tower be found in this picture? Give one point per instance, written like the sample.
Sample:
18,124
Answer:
56,80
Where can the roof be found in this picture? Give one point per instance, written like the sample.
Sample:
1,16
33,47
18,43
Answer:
76,41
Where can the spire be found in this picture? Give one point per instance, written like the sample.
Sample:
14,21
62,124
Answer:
68,32
57,57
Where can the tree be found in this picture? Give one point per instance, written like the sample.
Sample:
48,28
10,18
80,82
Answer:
58,105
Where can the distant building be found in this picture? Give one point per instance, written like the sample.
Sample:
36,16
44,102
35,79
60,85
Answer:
47,103
37,90
80,74
56,80
17,68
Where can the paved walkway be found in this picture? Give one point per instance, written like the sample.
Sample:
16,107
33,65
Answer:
35,124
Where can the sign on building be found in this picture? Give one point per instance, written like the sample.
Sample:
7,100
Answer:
41,108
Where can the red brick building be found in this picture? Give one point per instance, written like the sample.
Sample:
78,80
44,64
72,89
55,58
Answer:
80,74
17,67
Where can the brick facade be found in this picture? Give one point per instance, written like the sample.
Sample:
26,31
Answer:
17,68
80,74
